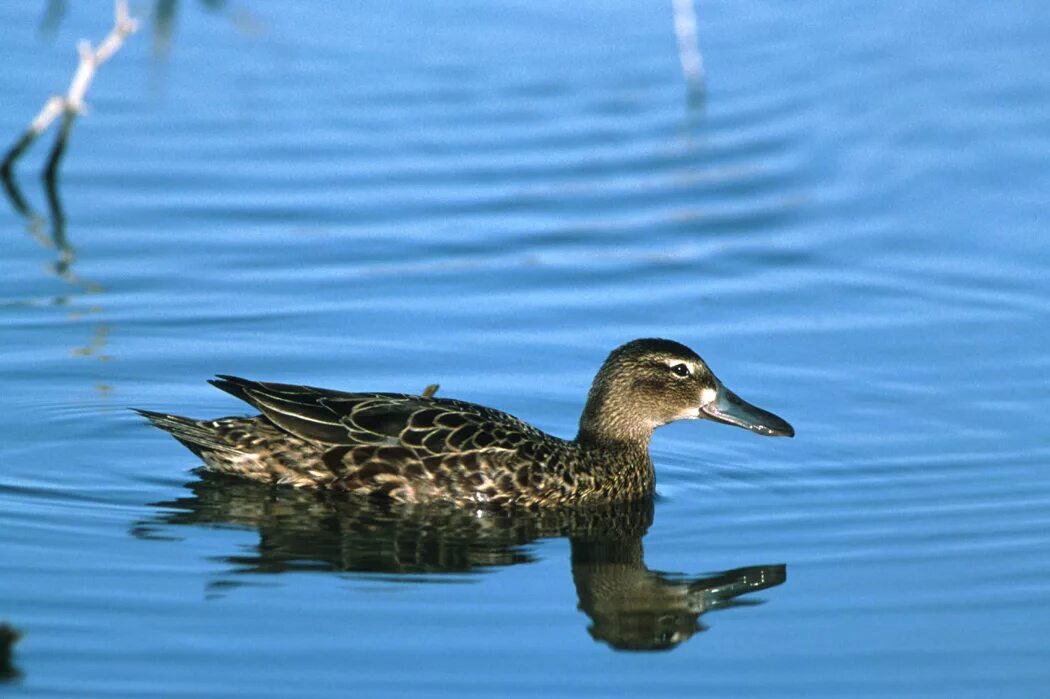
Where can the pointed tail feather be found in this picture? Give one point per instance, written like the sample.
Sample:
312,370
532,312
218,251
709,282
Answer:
197,435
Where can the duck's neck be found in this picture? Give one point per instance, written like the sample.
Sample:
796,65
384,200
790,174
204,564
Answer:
618,441
623,465
601,438
605,424
607,429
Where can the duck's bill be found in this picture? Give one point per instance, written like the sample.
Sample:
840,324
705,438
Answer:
731,409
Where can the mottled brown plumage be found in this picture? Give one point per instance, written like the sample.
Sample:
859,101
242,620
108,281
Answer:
422,449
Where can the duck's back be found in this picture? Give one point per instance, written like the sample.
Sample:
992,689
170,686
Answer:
406,447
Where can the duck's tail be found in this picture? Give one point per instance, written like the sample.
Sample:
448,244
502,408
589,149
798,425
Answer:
251,447
199,436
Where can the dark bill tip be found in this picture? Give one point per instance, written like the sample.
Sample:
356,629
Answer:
731,409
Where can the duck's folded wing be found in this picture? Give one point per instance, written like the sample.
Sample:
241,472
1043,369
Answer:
302,410
429,425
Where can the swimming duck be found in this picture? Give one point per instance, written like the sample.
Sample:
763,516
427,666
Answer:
417,448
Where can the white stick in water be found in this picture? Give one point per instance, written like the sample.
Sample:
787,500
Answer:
688,43
72,104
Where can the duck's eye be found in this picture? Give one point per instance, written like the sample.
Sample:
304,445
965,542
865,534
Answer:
680,370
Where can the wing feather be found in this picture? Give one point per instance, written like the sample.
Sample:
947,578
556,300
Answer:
422,426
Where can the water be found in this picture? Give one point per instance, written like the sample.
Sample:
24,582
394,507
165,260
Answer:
850,228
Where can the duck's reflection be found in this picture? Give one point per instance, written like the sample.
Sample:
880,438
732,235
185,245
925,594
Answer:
634,608
630,606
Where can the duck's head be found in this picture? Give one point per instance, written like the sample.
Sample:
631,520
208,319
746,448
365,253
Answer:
647,383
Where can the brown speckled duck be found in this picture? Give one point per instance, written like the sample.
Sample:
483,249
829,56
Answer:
417,448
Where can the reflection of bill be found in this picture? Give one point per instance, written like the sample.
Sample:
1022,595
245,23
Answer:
634,608
630,606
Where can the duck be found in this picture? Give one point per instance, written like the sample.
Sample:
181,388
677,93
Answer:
425,449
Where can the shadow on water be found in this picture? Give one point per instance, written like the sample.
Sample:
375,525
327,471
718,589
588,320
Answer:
630,606
9,636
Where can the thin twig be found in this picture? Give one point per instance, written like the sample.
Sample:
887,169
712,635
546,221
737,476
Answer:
689,45
72,104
